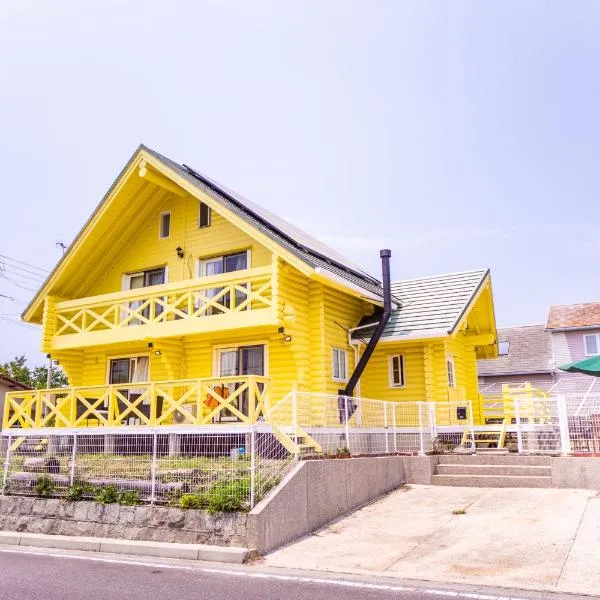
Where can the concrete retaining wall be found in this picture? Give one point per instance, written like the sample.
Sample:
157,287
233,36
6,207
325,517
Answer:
144,523
317,492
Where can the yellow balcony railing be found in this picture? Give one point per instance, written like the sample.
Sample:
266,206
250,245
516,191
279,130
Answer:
185,307
211,401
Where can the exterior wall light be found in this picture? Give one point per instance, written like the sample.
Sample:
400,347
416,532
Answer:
179,251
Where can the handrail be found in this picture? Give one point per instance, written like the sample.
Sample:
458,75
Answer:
144,293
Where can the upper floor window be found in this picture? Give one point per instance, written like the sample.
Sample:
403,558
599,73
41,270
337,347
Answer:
164,228
451,372
591,344
204,216
503,347
340,365
224,264
396,370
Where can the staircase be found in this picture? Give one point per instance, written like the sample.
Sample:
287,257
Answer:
295,440
493,470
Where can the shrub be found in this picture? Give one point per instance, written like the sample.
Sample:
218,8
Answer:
228,496
44,486
78,491
196,501
107,495
129,498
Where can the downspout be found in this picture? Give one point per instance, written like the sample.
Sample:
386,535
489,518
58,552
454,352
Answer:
383,321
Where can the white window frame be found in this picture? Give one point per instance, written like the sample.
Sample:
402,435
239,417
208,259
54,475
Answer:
209,215
160,225
201,262
585,348
335,360
507,342
394,384
451,370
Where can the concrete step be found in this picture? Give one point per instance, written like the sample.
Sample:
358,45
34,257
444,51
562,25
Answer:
498,481
493,459
478,469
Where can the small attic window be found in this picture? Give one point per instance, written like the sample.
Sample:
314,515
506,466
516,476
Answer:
164,228
503,348
205,214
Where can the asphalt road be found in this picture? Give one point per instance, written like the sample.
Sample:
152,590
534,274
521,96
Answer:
31,575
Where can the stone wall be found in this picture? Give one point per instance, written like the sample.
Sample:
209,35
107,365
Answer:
150,523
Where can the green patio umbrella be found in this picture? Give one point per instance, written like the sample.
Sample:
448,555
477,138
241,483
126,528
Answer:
588,366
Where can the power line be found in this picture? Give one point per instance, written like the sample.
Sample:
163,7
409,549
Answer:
19,275
13,322
21,269
16,283
8,258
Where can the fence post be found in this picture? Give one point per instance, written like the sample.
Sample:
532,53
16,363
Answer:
421,441
153,468
295,422
385,425
253,467
73,458
346,423
517,405
6,465
394,427
563,422
472,426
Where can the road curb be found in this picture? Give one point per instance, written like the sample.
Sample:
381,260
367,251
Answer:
204,552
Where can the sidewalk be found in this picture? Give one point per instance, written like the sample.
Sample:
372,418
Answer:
541,539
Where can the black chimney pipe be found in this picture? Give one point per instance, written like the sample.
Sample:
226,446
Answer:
385,317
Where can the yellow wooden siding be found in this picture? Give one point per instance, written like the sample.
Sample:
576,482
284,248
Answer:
145,250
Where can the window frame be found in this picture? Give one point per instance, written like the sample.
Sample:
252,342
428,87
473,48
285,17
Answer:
336,361
451,370
507,342
402,371
201,266
596,336
161,235
209,215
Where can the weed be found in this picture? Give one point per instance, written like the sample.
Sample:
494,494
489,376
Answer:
196,501
79,491
107,495
44,486
129,498
459,511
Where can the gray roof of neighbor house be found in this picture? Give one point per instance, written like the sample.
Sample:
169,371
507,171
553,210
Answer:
12,384
301,244
430,306
529,351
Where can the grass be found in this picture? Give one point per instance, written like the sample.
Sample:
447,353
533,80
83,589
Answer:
459,511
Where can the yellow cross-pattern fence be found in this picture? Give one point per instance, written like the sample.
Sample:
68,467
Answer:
191,299
242,399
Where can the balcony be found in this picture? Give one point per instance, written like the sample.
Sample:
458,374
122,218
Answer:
228,301
240,400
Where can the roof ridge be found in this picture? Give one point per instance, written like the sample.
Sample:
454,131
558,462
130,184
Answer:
442,275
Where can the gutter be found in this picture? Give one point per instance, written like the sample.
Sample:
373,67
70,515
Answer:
383,321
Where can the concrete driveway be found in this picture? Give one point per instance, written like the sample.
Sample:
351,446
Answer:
544,539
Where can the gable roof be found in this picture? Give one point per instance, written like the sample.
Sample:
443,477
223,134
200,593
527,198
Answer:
574,316
430,306
529,352
12,384
292,240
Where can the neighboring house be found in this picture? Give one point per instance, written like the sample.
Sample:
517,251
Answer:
534,353
7,384
226,308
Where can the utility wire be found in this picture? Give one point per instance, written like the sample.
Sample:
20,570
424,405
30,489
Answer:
19,275
13,322
16,283
8,258
21,269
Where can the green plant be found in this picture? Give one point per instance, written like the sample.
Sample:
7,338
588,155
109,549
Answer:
228,496
129,498
343,451
78,491
44,486
459,511
196,501
107,495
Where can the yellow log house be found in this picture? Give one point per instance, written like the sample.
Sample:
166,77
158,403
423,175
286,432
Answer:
181,302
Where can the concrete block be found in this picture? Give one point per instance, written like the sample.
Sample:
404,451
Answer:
159,549
362,480
226,554
60,541
8,538
419,469
576,472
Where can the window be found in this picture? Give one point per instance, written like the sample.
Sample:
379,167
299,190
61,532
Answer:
205,214
591,344
165,225
396,367
224,264
134,281
503,348
451,375
340,365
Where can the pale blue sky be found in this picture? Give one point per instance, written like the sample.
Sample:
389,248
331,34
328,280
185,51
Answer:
460,134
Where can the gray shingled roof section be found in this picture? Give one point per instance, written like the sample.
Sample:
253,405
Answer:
529,351
302,245
431,306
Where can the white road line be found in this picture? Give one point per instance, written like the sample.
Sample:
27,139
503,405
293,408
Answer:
263,575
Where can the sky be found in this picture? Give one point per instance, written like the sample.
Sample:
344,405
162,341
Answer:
459,134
